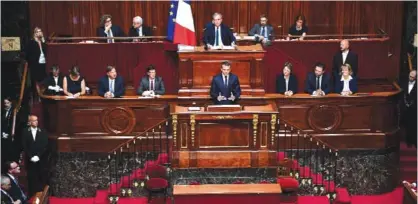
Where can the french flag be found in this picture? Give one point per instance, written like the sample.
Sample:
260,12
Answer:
180,23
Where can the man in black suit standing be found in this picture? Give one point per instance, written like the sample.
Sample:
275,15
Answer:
16,190
138,29
9,150
6,198
53,83
111,85
410,109
318,83
262,32
35,142
151,85
225,87
218,35
344,56
107,29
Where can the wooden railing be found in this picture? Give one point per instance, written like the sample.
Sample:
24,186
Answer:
41,197
19,102
410,62
409,196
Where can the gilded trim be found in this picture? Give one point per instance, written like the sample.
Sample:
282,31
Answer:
255,124
174,123
192,127
273,127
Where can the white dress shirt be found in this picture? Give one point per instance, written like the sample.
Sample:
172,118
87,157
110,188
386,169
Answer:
219,36
42,59
56,80
346,86
140,31
410,86
286,79
110,34
345,53
34,130
111,85
17,183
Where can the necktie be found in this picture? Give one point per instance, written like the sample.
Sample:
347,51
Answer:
111,86
317,83
262,31
216,37
226,81
152,85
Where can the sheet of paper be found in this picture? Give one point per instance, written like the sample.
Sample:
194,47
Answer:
223,48
69,97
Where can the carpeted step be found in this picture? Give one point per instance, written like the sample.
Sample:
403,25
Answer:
142,200
101,197
343,197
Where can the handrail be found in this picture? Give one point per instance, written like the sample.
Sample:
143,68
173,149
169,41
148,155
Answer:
42,196
19,102
106,38
410,62
139,135
336,35
409,193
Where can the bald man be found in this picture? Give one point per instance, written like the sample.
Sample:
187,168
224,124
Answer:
410,109
344,56
35,142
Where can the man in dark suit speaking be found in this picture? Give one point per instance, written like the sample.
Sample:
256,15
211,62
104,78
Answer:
225,88
151,85
111,85
218,34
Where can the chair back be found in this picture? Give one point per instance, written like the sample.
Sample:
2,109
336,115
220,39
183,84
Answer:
284,168
156,171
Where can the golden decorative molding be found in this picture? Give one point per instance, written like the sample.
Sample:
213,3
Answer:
10,44
192,127
222,117
255,124
273,127
174,123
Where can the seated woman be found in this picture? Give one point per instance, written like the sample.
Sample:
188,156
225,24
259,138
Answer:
286,83
74,85
348,83
299,28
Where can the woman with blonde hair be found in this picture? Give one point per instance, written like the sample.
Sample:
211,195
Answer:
347,85
35,54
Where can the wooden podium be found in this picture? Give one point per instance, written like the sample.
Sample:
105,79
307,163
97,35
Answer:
241,138
197,68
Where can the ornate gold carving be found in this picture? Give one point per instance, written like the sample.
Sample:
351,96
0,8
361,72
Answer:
10,44
255,124
222,117
192,127
174,123
273,127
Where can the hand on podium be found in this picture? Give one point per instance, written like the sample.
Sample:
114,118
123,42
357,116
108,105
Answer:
221,98
232,97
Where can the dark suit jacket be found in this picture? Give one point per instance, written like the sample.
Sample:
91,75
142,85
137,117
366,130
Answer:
119,86
310,83
16,191
218,86
158,85
116,31
32,52
5,199
410,99
146,31
339,85
49,81
226,34
337,61
256,29
281,84
37,147
7,120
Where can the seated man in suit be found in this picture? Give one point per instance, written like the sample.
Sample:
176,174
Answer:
318,83
218,34
106,29
347,85
262,32
225,88
286,83
35,143
111,85
151,85
344,56
13,169
53,83
6,198
138,29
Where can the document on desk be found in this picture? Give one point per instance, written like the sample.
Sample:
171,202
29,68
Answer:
70,97
223,48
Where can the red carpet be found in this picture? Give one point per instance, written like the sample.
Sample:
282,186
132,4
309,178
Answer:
408,163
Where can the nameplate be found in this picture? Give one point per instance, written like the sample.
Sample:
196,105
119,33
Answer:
193,109
10,44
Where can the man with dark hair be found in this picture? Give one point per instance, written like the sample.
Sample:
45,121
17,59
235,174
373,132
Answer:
151,85
262,32
53,83
225,88
107,29
318,83
111,85
8,147
15,191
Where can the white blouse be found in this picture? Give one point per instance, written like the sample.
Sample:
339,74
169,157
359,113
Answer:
346,86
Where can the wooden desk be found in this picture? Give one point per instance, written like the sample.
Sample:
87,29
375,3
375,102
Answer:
222,189
197,68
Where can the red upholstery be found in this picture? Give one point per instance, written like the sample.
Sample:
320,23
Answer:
194,183
156,171
156,184
288,184
162,158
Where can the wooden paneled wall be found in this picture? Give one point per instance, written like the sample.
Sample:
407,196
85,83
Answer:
81,18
